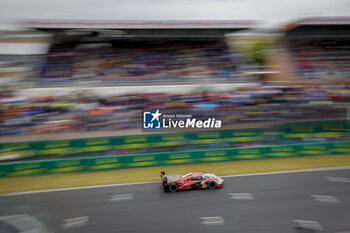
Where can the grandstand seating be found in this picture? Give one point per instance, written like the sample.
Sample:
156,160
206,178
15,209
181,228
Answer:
88,112
322,59
133,62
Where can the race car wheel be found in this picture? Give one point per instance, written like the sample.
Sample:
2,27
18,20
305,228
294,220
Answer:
212,185
172,188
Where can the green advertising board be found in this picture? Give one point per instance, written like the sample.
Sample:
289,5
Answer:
224,138
169,158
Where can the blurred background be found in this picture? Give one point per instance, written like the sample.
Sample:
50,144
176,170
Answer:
68,79
75,77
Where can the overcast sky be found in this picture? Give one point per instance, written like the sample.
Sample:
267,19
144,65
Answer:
269,12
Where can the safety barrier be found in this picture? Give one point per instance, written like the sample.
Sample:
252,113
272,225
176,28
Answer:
224,138
162,159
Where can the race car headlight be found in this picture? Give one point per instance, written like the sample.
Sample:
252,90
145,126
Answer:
220,181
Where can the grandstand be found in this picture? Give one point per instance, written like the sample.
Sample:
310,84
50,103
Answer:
151,52
135,53
90,112
319,47
20,51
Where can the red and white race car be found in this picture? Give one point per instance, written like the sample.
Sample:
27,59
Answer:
195,180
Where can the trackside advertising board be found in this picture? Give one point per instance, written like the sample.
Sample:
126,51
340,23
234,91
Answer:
169,158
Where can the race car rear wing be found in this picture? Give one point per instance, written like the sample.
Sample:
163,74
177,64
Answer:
164,178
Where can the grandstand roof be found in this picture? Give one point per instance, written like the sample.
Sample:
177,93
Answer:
138,24
325,21
318,21
319,28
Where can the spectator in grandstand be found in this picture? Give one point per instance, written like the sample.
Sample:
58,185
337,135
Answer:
322,59
145,62
89,112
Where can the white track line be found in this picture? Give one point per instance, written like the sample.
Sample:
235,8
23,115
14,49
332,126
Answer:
75,188
75,222
309,225
326,199
338,179
121,197
217,220
151,182
241,196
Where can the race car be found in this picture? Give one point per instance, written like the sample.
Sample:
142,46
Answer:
195,180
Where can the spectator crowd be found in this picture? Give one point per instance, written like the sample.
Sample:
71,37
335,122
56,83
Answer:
89,112
135,62
327,59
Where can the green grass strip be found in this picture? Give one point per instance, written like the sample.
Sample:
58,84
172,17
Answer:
78,179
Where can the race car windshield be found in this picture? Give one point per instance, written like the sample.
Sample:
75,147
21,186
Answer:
187,175
207,175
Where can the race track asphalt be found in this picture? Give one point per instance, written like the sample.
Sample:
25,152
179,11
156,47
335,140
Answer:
247,204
